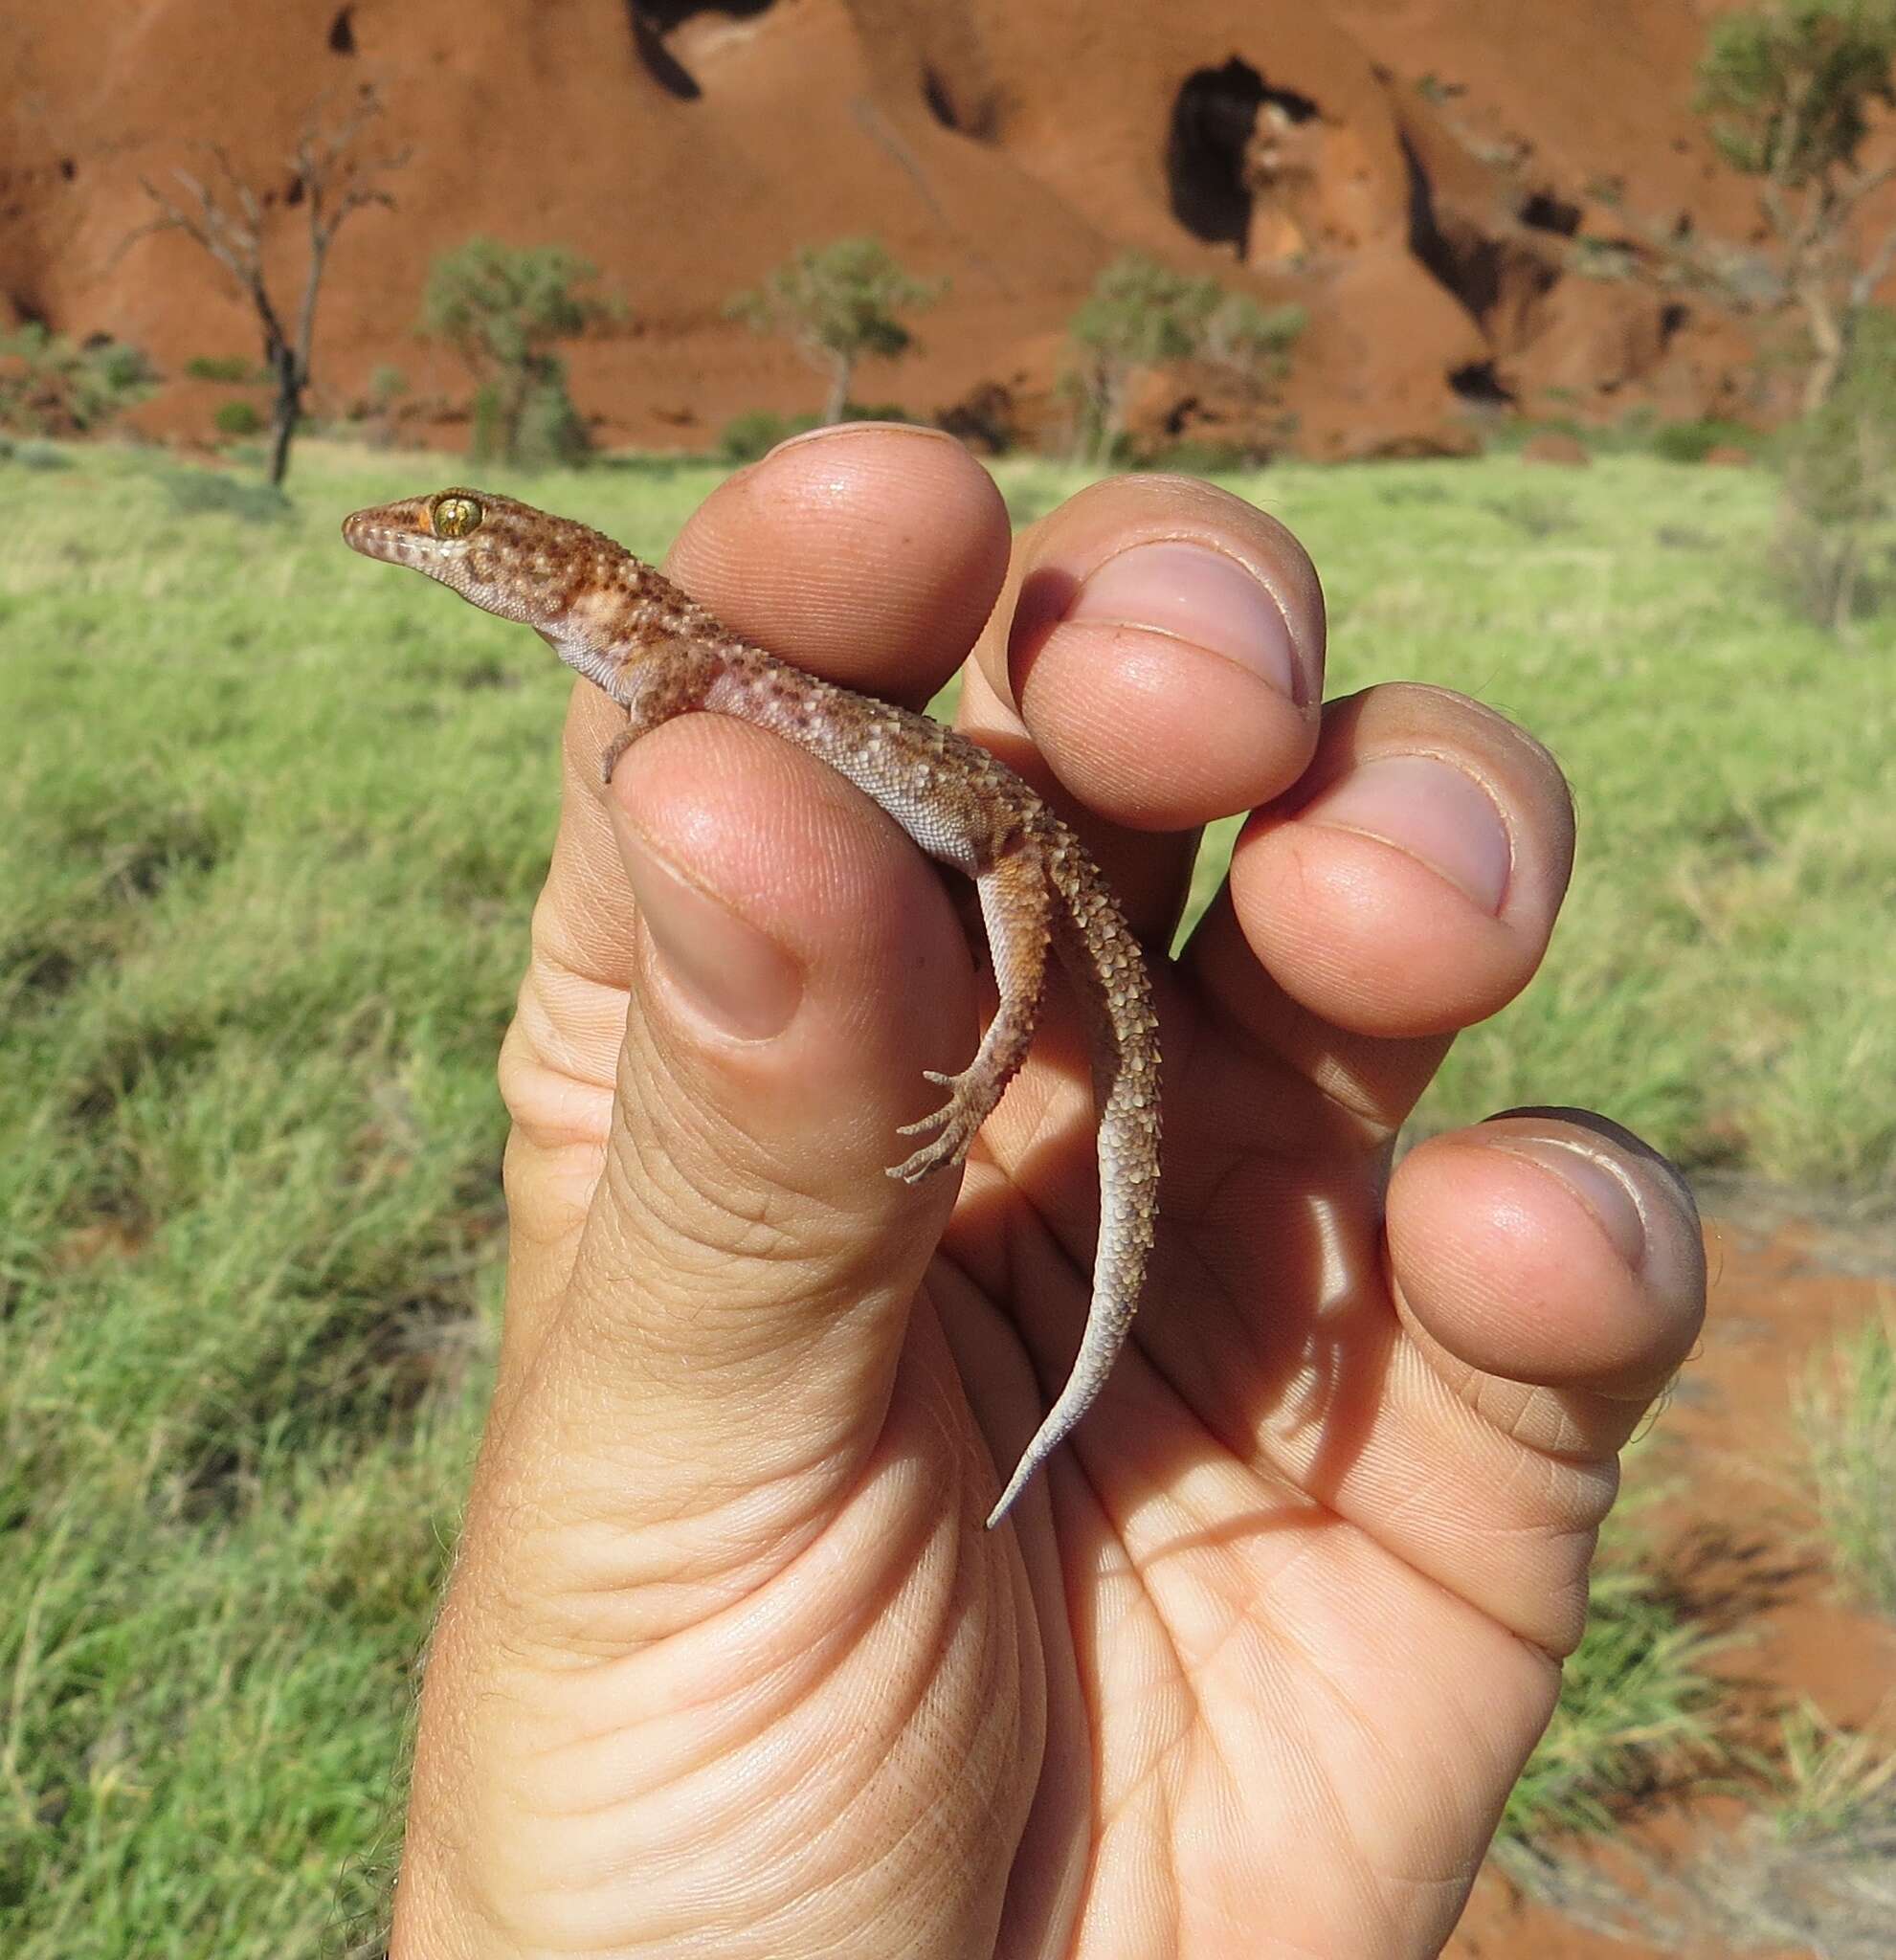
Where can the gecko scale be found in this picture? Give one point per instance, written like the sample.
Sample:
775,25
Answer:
657,653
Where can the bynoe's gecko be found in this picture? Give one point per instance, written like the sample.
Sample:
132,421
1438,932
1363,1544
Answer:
657,653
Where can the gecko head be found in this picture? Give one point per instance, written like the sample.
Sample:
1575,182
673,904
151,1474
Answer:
498,553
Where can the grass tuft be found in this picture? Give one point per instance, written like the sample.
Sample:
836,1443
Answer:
1637,1705
1846,1410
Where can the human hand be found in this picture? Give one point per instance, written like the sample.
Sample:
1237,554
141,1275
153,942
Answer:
728,1663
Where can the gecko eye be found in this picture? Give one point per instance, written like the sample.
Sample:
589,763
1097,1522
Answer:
455,517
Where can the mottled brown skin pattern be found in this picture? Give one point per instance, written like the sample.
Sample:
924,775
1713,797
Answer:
659,653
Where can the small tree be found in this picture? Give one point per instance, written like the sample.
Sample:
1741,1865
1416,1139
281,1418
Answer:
1252,343
331,178
386,385
837,303
1788,92
503,311
1839,480
51,386
1141,315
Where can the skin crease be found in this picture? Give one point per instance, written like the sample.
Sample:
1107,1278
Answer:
727,1664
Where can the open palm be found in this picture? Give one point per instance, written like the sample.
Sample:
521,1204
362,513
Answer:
728,1663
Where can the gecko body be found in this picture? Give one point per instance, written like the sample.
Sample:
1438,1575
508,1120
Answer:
659,653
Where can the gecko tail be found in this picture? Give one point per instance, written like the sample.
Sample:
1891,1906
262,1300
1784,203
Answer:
1090,1369
1105,965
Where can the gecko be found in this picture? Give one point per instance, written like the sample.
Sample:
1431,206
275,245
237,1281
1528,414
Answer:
657,652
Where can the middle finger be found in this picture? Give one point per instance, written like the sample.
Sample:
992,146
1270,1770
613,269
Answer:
1405,890
1156,659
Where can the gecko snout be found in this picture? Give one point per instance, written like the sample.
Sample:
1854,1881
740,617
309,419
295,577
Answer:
392,533
376,534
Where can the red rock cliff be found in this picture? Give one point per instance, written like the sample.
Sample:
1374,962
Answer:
1415,172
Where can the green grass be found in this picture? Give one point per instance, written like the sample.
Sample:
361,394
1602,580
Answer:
271,824
1808,1865
1846,1415
1636,1706
1811,1870
1832,1782
1721,978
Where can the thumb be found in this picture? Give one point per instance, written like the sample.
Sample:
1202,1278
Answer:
719,1365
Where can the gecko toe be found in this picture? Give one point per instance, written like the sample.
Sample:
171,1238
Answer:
955,1105
933,1157
957,1120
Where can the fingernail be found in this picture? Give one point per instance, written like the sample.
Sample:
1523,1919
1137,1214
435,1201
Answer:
1429,808
1199,595
1596,1186
722,965
828,429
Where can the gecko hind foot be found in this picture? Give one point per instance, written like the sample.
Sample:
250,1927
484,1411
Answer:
964,1112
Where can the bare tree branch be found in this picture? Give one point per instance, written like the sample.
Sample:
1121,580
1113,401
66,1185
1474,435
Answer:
228,222
1876,269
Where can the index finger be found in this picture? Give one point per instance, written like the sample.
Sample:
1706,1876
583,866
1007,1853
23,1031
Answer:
869,553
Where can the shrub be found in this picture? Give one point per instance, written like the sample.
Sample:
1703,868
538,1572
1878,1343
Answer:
1607,259
485,440
986,418
836,304
503,311
53,386
1792,91
375,412
878,411
32,455
757,432
236,419
542,429
1198,456
1837,532
1141,314
1692,442
550,429
228,368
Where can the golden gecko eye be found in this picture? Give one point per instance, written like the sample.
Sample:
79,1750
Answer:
454,517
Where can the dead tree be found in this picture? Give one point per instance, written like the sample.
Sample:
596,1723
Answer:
331,177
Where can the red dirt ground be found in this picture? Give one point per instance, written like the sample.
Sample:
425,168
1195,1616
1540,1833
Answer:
1415,172
1741,1549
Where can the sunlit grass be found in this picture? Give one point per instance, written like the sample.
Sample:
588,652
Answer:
1637,1702
1846,1415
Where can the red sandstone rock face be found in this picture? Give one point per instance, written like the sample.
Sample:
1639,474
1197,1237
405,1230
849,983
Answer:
1413,172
